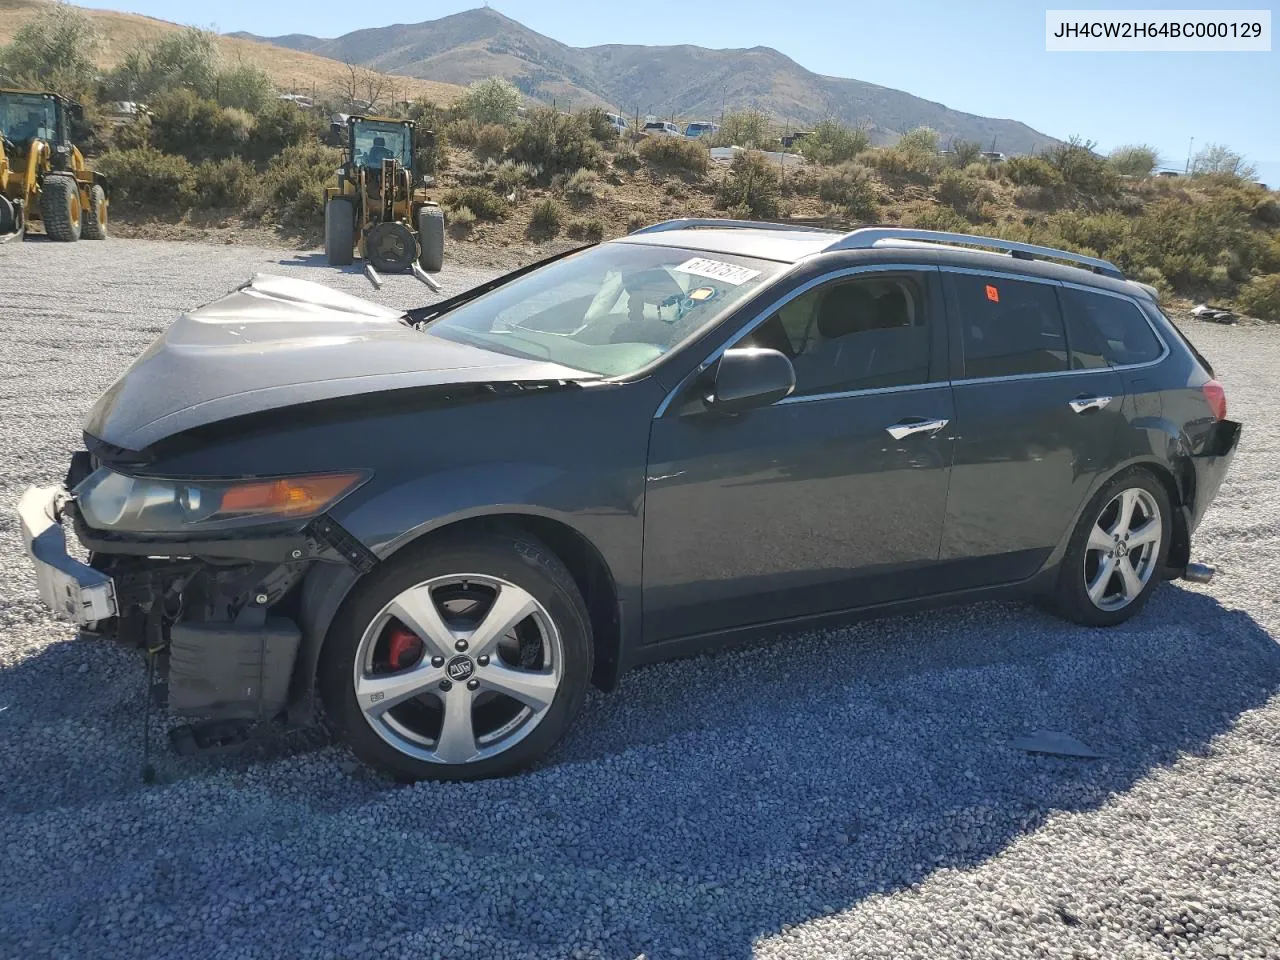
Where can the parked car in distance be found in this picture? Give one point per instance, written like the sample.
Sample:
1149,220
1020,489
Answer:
791,139
448,522
618,122
701,128
661,128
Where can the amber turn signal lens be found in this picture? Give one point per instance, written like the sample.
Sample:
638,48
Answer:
289,496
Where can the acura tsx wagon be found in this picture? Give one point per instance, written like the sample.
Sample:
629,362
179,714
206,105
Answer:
437,528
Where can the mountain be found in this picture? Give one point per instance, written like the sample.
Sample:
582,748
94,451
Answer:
296,69
685,80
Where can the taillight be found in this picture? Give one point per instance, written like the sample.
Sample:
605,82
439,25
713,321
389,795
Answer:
1216,398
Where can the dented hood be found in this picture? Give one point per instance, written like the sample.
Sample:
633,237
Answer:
276,342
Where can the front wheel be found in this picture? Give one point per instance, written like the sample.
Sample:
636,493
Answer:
60,208
1119,545
339,232
462,660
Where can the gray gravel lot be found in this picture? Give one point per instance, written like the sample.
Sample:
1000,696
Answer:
850,793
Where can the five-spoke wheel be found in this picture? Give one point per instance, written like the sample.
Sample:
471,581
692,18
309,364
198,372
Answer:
466,660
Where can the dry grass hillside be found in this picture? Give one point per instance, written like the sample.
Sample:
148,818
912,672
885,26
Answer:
290,70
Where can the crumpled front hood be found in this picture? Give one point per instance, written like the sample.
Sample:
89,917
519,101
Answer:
276,342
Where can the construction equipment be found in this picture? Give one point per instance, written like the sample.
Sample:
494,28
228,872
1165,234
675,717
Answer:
43,176
378,208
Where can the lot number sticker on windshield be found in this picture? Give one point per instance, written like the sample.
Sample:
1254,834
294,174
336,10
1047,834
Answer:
729,273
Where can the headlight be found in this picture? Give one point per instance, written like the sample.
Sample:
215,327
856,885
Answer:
115,501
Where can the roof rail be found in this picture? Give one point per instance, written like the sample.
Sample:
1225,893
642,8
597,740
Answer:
693,223
866,238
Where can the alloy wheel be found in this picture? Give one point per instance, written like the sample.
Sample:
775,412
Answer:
1123,548
458,668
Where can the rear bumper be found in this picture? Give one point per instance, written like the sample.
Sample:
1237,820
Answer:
71,589
1210,461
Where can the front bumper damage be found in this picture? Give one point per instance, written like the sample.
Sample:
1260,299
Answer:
219,616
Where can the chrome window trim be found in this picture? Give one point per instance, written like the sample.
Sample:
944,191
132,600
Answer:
781,302
1049,282
844,394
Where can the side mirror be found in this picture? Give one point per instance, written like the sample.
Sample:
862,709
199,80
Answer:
748,377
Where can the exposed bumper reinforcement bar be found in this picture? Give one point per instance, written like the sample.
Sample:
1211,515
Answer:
69,588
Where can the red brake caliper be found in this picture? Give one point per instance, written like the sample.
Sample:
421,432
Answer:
405,648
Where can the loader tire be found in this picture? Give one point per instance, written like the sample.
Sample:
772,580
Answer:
60,208
339,232
431,238
93,223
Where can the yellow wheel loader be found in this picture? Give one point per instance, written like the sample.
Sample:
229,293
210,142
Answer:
43,176
379,209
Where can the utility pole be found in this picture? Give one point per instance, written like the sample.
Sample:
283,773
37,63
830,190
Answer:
1187,168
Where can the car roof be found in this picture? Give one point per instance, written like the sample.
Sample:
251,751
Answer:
788,243
785,246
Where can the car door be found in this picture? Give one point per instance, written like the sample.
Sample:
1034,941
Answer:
1036,423
830,499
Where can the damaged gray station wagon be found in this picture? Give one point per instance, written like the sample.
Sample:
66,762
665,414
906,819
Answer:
442,525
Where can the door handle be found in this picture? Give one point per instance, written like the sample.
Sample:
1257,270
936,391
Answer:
913,425
1084,404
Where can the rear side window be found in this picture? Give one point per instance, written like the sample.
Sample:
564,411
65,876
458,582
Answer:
1009,328
1107,330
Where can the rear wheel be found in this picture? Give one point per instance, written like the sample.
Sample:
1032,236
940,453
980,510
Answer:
431,238
93,226
60,208
339,232
1115,554
463,660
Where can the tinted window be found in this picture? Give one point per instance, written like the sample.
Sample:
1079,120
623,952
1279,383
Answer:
853,335
1009,327
1107,330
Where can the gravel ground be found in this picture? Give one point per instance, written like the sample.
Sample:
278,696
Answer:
851,793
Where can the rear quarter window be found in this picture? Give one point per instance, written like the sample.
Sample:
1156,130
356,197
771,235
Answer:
1106,330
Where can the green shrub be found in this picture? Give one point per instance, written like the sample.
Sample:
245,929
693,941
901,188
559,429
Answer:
746,128
279,126
935,216
196,128
482,201
591,230
555,143
627,158
751,186
1037,198
494,100
292,188
831,142
510,176
597,121
491,140
225,183
245,86
460,220
636,221
901,167
673,153
963,193
55,49
852,188
146,178
185,60
1215,158
1267,210
920,140
464,132
1134,160
1091,175
1031,172
582,185
546,217
965,152
1155,278
1260,297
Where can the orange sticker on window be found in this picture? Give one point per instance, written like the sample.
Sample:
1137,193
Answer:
993,294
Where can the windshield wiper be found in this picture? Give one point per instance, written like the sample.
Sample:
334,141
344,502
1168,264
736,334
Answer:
423,315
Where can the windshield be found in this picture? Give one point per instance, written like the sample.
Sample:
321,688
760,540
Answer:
375,142
610,309
23,116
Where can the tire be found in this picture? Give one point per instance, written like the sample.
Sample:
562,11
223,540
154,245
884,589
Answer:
339,232
60,208
93,222
1121,596
391,247
548,652
431,239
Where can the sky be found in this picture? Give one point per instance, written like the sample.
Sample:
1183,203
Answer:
985,57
